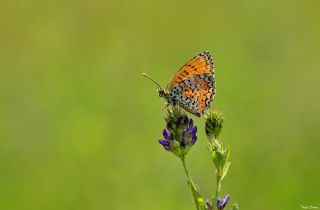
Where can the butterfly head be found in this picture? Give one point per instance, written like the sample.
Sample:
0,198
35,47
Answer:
161,92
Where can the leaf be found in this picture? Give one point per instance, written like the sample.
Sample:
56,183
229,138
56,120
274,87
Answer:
198,199
225,169
227,153
215,159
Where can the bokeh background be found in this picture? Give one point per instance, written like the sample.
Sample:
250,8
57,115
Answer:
79,124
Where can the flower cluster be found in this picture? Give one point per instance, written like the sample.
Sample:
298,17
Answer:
179,134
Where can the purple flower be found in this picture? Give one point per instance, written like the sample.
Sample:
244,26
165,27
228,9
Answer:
167,135
168,139
182,139
221,203
165,143
193,139
190,123
191,131
188,136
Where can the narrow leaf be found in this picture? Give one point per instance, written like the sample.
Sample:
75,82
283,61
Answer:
198,199
225,169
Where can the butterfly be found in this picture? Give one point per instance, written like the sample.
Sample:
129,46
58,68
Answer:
193,86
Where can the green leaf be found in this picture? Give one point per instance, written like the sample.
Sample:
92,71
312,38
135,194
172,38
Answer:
225,169
215,158
198,199
227,153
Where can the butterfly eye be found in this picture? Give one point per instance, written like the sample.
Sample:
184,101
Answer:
161,92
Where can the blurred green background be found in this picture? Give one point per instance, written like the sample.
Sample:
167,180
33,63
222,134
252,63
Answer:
79,124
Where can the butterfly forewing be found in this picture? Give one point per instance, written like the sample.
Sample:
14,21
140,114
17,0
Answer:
200,64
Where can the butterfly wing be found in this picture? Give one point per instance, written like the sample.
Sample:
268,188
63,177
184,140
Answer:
200,64
193,86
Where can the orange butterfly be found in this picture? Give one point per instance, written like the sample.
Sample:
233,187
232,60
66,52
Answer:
193,86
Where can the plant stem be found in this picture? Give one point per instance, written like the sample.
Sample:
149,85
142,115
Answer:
217,191
190,182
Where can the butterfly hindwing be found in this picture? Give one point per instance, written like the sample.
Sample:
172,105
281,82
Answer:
194,94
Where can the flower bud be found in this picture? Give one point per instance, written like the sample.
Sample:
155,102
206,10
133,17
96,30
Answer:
167,135
214,124
165,144
221,203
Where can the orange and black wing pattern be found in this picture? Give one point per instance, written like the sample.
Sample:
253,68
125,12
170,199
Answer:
200,64
193,86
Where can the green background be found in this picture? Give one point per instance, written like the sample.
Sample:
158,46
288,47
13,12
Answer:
79,124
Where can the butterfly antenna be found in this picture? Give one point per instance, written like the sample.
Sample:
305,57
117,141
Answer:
145,75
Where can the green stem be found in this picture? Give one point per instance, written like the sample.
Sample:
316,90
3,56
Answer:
217,191
190,181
